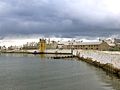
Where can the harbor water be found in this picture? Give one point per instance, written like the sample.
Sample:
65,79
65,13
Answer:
35,72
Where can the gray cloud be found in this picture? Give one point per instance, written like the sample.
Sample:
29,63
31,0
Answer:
65,17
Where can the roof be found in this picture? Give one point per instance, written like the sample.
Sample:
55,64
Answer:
84,43
88,43
111,43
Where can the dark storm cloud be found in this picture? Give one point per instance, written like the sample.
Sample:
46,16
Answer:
65,17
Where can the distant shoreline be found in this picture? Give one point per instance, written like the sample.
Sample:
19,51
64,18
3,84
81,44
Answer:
34,52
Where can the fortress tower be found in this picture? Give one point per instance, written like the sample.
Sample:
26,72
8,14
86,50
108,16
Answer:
42,45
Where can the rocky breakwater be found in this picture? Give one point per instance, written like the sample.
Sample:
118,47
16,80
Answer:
99,59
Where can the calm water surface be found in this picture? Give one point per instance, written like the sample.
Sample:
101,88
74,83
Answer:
29,72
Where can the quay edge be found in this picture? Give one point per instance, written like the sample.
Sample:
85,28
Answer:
108,67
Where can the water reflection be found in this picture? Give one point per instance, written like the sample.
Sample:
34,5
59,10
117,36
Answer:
108,79
42,56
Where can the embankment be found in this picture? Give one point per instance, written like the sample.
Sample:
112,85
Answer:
107,61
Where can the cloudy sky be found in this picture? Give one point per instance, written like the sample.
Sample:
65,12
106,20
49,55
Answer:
66,18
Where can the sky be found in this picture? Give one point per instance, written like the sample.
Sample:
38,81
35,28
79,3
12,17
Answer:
60,18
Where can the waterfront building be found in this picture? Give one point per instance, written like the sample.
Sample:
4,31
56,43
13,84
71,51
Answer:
117,44
60,46
52,45
101,45
30,46
13,48
3,47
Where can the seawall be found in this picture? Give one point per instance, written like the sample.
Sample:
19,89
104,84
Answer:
100,59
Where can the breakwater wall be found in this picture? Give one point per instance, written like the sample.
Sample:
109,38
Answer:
101,56
100,59
64,57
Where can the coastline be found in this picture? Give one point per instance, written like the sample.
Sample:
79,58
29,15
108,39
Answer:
51,51
108,67
97,59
